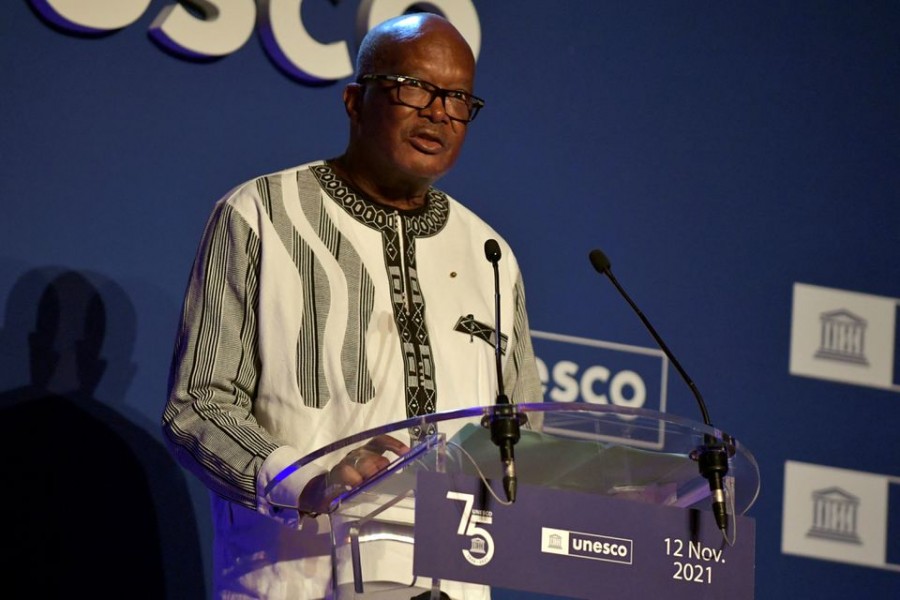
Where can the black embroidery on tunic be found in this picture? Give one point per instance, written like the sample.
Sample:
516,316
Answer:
399,231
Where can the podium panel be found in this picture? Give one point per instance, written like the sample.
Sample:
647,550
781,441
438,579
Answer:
576,545
611,500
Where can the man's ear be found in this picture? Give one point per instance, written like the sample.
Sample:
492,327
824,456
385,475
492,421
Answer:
353,100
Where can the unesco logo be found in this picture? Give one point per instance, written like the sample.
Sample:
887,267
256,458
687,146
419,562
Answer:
843,337
835,514
575,370
581,371
839,515
480,548
212,29
587,545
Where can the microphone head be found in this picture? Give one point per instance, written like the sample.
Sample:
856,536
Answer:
600,261
492,250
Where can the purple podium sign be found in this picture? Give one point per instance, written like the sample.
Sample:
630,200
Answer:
576,544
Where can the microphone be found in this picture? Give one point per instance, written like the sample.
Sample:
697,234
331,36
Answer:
504,421
712,456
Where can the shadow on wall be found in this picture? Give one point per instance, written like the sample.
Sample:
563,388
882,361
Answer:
93,502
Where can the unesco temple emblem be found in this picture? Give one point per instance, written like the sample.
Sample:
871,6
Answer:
834,516
843,337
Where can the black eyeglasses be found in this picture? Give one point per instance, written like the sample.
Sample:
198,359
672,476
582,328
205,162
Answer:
417,93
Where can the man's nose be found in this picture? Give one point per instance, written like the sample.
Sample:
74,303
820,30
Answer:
436,111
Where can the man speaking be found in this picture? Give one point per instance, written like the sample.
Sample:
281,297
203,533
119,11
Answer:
325,299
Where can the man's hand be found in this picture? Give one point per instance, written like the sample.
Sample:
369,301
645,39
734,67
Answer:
366,461
356,467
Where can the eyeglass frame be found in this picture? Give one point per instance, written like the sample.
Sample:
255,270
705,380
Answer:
475,103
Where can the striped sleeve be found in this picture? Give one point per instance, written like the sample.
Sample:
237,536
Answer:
207,419
520,373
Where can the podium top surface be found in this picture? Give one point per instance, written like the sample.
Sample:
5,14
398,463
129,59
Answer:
630,453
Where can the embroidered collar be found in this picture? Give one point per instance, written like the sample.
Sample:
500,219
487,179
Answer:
426,221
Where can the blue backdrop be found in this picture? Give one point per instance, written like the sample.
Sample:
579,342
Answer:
718,152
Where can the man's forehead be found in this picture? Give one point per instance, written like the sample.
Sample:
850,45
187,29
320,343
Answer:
427,50
414,30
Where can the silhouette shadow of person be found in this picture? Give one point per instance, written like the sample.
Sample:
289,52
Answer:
95,504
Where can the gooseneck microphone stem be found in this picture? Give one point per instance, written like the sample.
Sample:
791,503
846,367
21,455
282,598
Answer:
712,457
498,349
602,264
504,421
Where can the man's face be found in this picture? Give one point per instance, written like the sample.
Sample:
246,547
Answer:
409,145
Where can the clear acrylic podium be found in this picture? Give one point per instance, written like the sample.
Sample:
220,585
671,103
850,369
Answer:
642,457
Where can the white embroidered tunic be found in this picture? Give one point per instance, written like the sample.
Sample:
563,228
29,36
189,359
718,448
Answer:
311,314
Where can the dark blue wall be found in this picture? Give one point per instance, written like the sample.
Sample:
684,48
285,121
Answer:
717,152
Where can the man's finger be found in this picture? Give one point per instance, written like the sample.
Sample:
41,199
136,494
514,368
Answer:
384,443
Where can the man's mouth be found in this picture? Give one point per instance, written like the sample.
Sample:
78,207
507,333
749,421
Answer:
427,142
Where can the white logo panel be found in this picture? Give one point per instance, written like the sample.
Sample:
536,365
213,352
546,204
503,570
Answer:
581,370
843,336
554,541
834,514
